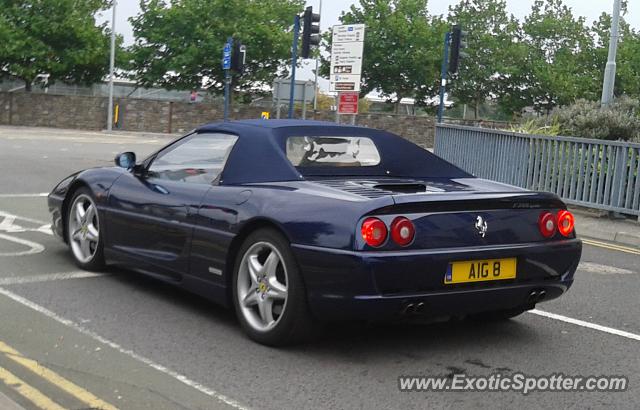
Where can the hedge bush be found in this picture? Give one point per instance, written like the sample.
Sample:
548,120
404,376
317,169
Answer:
618,121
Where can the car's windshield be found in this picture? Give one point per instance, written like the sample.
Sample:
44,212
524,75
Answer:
326,151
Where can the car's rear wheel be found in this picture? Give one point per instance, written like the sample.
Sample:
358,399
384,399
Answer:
268,292
84,231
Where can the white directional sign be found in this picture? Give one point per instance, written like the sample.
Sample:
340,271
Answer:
346,57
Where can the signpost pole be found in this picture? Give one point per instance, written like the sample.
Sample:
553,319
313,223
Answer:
294,62
226,65
443,75
315,83
112,56
304,102
227,89
278,99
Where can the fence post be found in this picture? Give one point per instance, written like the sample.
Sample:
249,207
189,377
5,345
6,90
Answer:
619,179
10,108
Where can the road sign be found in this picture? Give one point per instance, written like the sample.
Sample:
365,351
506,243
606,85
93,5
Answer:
348,33
282,90
346,57
226,56
265,115
348,103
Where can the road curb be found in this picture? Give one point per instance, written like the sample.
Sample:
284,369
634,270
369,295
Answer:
598,225
621,238
627,239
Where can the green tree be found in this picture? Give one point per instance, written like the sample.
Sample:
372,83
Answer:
55,37
179,43
402,48
559,57
494,54
628,61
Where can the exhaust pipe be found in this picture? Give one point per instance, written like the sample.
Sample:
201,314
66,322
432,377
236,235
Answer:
420,307
408,309
536,296
541,295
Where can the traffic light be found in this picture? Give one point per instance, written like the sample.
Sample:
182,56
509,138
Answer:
458,44
310,32
238,57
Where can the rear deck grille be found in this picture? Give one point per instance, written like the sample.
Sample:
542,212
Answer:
354,188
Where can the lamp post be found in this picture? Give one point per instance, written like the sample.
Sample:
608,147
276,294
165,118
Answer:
112,59
610,70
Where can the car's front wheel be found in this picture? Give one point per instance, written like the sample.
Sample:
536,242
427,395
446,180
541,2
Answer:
84,231
268,292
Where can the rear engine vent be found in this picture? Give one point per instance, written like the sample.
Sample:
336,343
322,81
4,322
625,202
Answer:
355,188
402,188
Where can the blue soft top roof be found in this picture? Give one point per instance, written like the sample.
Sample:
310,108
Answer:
260,153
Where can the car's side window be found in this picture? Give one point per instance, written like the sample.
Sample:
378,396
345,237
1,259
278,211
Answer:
197,159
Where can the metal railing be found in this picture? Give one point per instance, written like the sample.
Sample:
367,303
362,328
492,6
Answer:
597,174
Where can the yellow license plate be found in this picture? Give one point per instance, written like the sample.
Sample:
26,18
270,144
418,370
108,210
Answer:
481,271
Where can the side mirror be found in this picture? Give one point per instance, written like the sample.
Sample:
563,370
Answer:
126,160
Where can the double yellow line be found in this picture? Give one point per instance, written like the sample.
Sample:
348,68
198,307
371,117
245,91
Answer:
34,395
610,246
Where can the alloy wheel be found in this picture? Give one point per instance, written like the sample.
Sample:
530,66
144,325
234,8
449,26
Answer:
262,286
84,228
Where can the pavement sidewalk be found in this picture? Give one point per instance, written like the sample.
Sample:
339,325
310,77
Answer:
11,130
595,225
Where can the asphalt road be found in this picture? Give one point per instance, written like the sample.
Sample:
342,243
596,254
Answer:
121,340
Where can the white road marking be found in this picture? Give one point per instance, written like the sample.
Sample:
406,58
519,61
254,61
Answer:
8,224
171,373
34,247
50,277
22,218
588,325
45,229
40,195
603,269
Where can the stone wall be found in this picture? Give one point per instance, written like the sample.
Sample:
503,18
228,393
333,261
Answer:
58,111
43,110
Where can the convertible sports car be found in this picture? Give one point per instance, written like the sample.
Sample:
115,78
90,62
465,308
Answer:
298,222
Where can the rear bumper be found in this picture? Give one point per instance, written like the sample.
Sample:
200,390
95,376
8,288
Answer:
348,285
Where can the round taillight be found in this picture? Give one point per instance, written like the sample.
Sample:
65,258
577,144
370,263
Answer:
566,223
547,224
402,231
374,232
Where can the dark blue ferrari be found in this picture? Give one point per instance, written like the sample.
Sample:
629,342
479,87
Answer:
299,222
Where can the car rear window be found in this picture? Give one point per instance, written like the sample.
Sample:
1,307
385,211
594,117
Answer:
332,151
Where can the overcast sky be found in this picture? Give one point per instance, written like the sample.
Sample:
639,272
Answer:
331,10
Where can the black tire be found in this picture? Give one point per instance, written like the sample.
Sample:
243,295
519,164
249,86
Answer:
496,315
96,262
295,322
